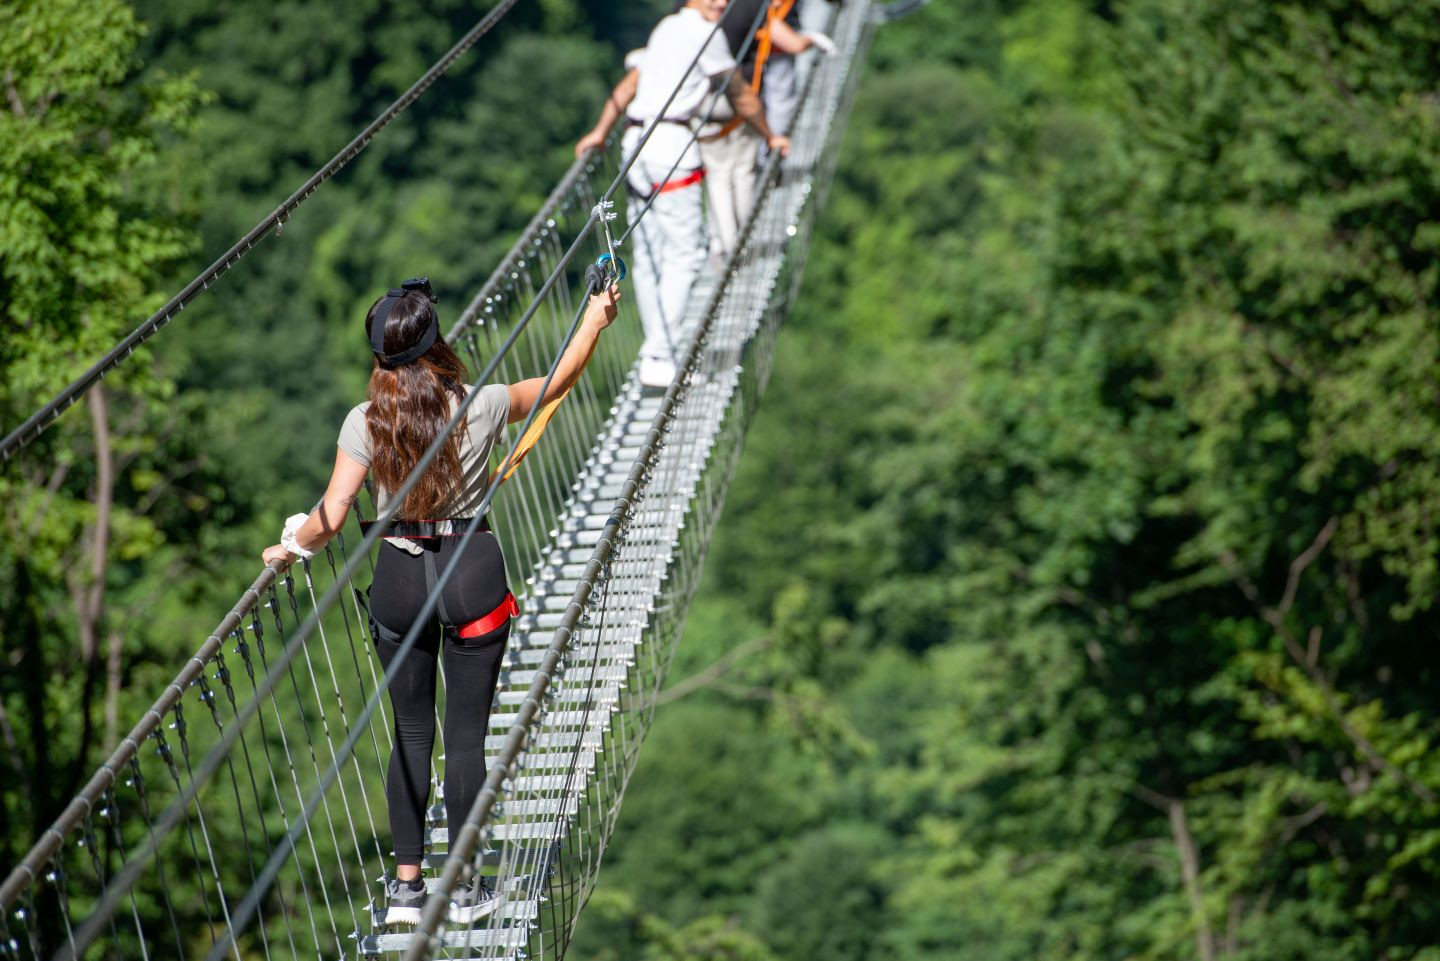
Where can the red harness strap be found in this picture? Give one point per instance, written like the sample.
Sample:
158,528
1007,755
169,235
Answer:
508,608
694,177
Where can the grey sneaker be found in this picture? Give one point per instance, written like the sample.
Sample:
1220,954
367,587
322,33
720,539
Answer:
473,901
403,902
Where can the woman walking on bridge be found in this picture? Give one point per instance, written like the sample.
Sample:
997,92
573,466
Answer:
416,385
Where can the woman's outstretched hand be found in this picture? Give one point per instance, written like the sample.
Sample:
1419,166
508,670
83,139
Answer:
603,306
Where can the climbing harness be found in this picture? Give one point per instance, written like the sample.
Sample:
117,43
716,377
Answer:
694,177
382,313
508,608
455,527
665,186
445,527
679,183
634,122
420,530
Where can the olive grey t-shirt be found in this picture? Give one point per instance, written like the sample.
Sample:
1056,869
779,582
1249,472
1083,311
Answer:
484,426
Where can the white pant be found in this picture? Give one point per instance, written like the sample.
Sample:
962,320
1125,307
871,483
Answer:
729,185
814,15
666,250
780,92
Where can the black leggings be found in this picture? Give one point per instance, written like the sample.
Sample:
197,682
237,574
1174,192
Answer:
472,667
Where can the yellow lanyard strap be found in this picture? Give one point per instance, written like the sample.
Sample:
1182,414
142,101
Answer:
537,426
598,276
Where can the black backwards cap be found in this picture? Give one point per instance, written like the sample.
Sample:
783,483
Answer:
382,312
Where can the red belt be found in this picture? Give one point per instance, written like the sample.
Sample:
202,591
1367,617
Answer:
508,608
694,177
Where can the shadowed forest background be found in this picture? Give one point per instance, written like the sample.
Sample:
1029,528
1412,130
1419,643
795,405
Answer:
1076,595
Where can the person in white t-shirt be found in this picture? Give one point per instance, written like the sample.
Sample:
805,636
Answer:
667,247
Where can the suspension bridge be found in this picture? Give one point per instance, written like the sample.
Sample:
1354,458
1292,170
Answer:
242,816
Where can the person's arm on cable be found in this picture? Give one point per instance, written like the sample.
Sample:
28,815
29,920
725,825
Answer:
787,39
325,521
615,105
525,395
749,108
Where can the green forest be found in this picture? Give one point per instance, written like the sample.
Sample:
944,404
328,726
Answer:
1073,597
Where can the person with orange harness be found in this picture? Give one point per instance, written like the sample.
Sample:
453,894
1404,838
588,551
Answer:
781,92
728,147
416,385
668,245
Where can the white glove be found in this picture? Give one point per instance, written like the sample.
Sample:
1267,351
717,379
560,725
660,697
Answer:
287,536
820,42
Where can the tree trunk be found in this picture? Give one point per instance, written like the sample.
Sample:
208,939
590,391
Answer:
92,595
1190,872
89,596
114,649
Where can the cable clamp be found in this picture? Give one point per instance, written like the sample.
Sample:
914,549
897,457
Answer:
604,212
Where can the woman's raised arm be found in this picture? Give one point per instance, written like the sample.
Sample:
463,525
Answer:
325,520
525,395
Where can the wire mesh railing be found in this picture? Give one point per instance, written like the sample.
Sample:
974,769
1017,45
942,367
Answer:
244,815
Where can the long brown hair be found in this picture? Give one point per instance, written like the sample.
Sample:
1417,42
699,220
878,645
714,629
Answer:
410,405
